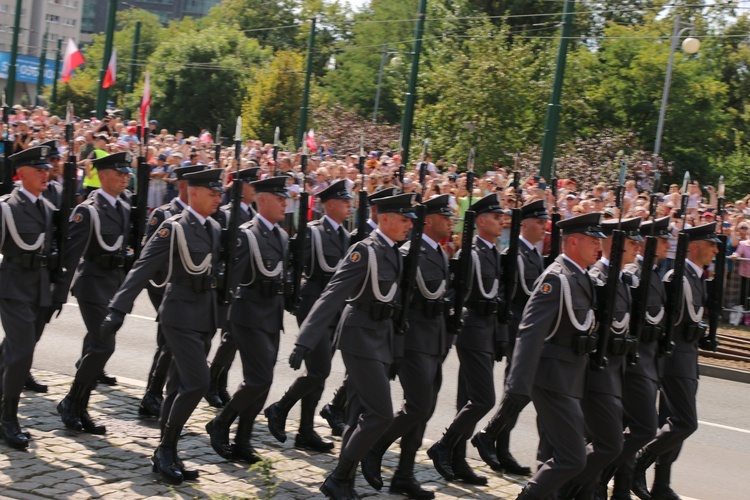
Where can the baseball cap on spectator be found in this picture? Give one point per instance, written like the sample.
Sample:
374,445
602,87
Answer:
102,137
608,212
177,155
571,196
153,122
162,157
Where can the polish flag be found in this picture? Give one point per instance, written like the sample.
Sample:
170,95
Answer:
73,58
145,104
311,145
111,75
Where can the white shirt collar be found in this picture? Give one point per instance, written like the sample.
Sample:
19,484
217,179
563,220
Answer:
574,263
430,241
111,199
605,261
698,270
526,242
491,245
268,223
181,203
29,195
372,223
198,216
335,225
386,238
244,206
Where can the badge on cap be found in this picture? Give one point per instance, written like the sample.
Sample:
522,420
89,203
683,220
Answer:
355,256
546,288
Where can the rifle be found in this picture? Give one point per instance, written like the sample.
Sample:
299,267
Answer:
217,146
675,288
362,207
716,292
275,146
139,212
510,258
554,239
423,168
6,149
70,184
461,265
411,265
640,294
297,244
230,234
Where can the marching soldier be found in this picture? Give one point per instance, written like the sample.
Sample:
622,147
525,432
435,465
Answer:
256,317
492,439
602,403
640,383
150,405
26,242
550,358
327,244
217,395
187,246
425,345
334,412
54,190
366,281
482,339
679,372
98,233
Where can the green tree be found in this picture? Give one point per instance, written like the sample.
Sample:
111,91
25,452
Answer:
198,78
271,23
274,97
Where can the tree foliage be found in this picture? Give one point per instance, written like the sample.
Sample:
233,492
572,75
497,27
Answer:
272,23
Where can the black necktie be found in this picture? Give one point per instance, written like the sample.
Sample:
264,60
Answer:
40,205
209,231
342,237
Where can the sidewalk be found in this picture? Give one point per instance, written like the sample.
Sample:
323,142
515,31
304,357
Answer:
63,464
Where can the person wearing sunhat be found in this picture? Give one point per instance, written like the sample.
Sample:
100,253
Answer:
679,372
187,245
95,261
256,317
326,244
550,358
482,339
492,441
26,236
364,333
602,402
425,346
641,381
150,405
217,395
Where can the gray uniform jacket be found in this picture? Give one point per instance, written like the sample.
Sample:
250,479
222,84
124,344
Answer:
357,332
609,380
684,359
533,267
94,281
481,332
223,214
647,365
252,308
53,194
552,364
17,283
182,307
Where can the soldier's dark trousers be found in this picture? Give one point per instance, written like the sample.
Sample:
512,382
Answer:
99,347
476,390
369,409
157,374
639,405
562,448
224,354
679,415
258,351
22,323
309,387
603,417
188,375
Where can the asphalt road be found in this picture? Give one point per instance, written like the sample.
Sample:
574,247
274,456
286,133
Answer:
713,464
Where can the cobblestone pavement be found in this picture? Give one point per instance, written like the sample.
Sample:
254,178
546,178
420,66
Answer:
63,464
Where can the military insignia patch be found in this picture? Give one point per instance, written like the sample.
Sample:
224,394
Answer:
78,218
153,221
545,288
164,233
355,256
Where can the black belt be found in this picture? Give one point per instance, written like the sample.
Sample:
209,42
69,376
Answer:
581,344
29,260
199,284
694,331
651,333
621,346
483,307
269,288
430,308
108,260
378,310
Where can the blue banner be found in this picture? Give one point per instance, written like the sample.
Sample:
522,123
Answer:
27,68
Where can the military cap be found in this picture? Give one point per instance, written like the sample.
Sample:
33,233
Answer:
210,178
32,157
383,193
660,228
336,191
488,204
631,227
402,204
189,169
703,232
534,210
274,185
588,224
246,174
54,149
117,161
438,205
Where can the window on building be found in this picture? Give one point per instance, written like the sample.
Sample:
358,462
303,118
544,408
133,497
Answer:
51,18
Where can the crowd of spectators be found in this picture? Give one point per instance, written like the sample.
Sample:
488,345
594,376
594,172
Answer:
165,150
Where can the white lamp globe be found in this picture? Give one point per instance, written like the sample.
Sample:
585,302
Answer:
691,45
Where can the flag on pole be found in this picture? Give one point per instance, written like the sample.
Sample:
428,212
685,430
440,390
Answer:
72,59
145,104
111,75
311,145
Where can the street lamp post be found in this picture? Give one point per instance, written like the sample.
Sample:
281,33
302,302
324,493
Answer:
690,46
385,53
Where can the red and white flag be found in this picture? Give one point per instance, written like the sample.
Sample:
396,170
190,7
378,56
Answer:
111,75
145,104
311,145
72,59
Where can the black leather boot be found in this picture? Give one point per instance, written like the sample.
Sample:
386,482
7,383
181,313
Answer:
212,394
508,463
221,387
70,407
639,486
623,479
485,445
11,429
524,495
34,386
338,485
86,421
150,405
308,439
440,453
410,487
372,464
242,449
165,459
218,429
334,413
461,469
662,479
276,415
